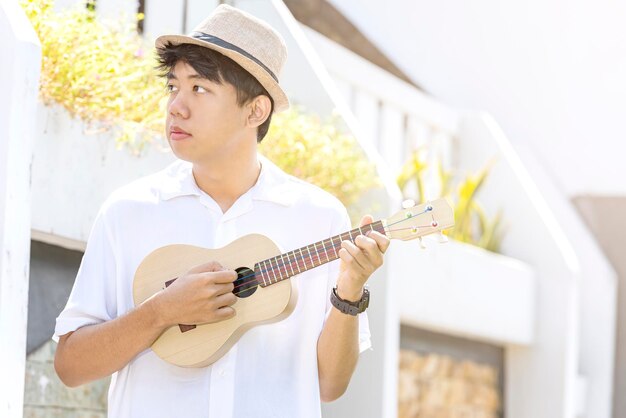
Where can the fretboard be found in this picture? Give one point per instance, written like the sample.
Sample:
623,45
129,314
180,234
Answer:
284,266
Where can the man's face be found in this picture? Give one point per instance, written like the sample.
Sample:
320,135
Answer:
204,121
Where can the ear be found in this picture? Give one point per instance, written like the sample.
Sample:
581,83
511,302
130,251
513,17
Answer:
259,110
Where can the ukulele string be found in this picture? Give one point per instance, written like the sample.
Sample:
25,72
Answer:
237,290
325,248
278,266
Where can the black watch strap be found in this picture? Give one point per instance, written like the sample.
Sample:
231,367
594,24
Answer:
350,308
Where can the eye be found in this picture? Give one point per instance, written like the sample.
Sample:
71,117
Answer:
199,89
171,88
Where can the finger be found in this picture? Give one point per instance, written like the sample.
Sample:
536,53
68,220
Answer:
225,276
224,313
366,220
210,266
227,299
381,240
356,254
350,261
218,289
370,247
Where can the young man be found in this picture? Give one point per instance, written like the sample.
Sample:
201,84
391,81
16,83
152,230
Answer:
223,87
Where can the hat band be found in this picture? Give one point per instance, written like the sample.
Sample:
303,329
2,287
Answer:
224,44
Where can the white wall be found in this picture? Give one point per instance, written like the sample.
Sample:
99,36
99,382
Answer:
552,73
575,336
21,59
541,378
65,203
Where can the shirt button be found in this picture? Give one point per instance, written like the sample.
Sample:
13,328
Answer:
222,373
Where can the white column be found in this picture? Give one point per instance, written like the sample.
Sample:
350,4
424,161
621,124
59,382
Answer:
21,59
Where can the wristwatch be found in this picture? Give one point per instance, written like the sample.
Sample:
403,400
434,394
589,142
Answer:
350,308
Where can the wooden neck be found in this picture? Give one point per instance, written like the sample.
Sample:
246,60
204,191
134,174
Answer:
284,266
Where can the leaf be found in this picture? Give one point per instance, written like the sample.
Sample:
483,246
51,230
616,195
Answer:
471,223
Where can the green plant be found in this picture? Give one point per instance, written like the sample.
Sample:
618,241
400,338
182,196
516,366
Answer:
472,225
412,171
98,71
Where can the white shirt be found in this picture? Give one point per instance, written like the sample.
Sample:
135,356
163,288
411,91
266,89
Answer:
272,370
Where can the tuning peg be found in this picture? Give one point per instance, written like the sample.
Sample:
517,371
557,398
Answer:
422,245
442,238
408,203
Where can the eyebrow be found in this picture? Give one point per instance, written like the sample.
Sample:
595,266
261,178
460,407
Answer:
172,76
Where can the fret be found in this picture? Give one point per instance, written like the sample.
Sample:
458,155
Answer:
310,256
264,267
271,269
350,234
284,265
261,274
318,254
291,259
277,270
289,263
297,263
334,246
303,259
325,252
371,227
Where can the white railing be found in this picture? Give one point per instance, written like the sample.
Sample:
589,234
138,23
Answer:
395,117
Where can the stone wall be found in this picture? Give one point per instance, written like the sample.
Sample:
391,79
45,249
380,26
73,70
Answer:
437,386
46,397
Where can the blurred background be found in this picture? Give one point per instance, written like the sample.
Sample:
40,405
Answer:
513,111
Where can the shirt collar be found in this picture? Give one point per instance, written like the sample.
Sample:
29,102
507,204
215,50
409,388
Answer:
272,184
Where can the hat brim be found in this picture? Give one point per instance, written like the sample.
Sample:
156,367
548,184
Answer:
281,102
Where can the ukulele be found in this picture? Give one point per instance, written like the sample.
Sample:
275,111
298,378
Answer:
264,293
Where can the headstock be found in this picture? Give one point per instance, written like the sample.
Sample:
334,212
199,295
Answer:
420,220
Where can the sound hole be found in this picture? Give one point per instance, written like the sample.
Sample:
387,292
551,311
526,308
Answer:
246,282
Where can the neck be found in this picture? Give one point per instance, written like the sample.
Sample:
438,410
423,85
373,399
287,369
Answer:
284,266
227,179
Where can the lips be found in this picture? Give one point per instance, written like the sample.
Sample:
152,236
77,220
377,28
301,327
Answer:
177,133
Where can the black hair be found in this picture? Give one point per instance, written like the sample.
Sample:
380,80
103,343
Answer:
217,68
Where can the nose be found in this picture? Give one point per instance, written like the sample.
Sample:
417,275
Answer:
177,106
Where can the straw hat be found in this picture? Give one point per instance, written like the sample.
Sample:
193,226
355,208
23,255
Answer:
247,40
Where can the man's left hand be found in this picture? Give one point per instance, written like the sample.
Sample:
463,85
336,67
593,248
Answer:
359,261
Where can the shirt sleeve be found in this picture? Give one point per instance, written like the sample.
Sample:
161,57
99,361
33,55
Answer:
93,296
340,226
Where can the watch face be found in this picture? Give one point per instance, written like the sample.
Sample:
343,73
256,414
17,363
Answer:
366,299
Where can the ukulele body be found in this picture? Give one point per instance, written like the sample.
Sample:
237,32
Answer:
206,343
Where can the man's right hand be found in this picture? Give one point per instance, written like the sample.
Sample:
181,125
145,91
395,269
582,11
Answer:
202,295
